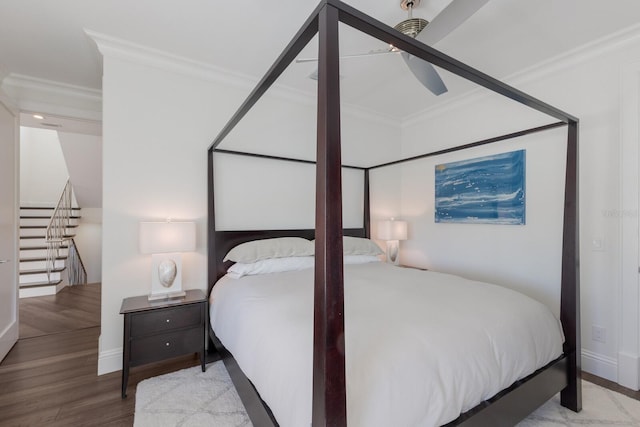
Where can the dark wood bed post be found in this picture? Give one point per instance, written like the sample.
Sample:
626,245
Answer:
329,385
571,396
212,275
366,220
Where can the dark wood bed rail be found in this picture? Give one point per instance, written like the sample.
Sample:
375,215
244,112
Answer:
329,398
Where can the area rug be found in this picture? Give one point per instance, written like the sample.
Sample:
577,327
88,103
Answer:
193,398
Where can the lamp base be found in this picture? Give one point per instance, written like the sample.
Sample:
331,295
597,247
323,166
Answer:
393,252
166,275
168,295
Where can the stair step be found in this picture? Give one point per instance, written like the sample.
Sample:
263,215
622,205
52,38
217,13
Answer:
45,216
28,236
35,248
41,208
41,259
29,243
44,222
41,270
36,245
39,252
33,232
39,277
40,284
40,264
66,236
39,289
31,227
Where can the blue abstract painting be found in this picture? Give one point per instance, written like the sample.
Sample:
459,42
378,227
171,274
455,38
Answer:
484,190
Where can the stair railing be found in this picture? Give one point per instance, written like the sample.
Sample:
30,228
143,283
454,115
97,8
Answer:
76,272
56,234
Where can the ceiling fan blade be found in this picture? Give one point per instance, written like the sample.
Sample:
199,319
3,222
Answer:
449,19
355,55
425,73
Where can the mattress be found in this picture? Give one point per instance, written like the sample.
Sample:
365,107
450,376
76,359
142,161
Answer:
421,347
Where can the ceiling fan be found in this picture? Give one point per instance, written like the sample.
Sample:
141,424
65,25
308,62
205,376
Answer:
428,33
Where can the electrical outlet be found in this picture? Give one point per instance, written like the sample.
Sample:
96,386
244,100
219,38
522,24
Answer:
598,244
598,333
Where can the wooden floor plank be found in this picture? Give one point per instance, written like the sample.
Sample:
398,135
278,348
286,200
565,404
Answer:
74,307
50,378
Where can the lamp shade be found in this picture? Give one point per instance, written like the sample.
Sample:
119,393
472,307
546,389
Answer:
392,230
160,237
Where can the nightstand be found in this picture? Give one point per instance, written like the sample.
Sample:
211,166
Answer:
158,330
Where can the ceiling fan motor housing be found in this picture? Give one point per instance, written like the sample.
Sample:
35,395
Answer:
412,26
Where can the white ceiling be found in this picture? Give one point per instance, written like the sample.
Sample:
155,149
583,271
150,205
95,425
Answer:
46,39
59,123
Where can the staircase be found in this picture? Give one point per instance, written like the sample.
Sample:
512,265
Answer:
35,278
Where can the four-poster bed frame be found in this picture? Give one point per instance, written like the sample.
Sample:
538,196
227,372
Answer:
329,388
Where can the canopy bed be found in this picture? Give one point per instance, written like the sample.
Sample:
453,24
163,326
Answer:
558,371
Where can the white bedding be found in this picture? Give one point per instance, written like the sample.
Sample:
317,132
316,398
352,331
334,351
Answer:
421,347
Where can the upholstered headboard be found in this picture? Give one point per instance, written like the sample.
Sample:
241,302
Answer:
224,241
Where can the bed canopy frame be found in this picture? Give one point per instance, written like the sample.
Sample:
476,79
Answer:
329,386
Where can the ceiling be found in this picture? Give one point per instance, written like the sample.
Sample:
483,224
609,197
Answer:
60,123
46,39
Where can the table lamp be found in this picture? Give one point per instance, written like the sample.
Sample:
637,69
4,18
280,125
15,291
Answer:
166,241
392,231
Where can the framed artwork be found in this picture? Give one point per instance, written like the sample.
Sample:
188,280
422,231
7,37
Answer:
484,190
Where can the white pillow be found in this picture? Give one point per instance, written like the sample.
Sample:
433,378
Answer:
271,265
279,247
360,259
360,246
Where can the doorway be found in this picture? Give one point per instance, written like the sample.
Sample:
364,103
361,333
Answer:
56,151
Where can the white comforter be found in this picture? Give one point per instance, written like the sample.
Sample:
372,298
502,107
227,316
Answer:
421,347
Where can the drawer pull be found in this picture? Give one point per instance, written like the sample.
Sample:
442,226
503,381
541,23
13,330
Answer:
167,344
168,320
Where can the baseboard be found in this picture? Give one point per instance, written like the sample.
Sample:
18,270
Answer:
628,372
8,338
602,366
110,361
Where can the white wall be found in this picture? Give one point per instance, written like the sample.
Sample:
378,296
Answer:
587,85
88,240
158,122
83,157
526,258
43,172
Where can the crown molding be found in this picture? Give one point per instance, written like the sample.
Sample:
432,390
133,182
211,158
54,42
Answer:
46,96
156,58
533,73
165,61
37,84
9,103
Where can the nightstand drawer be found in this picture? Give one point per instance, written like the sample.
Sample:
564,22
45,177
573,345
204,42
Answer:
145,323
162,346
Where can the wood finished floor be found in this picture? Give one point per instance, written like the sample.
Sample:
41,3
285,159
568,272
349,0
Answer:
73,308
51,378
